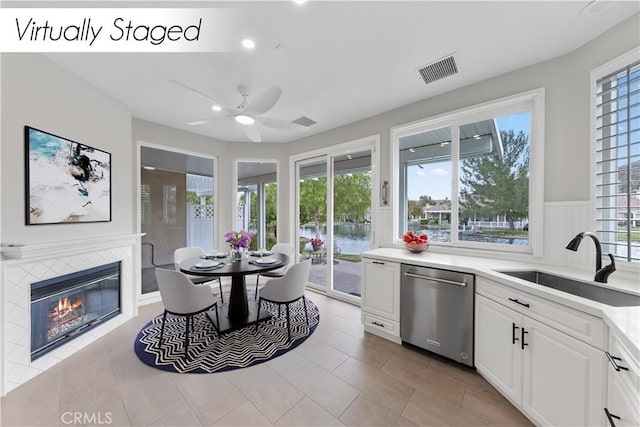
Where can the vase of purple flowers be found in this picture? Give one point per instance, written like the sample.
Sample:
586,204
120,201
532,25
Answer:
238,241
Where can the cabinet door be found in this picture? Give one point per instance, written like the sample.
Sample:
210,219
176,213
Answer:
621,402
498,355
562,378
381,293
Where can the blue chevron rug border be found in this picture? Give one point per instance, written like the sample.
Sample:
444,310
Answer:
210,352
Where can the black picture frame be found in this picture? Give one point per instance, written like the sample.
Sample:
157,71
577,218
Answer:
65,181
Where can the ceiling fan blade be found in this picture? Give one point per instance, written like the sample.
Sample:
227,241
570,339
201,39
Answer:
197,122
252,132
201,95
265,101
280,124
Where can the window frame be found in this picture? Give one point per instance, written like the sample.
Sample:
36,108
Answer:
598,73
533,101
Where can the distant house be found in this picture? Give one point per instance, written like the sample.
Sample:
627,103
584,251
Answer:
440,212
633,213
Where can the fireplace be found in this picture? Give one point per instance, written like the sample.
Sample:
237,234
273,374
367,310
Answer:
64,307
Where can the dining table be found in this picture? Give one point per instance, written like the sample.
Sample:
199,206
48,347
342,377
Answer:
240,311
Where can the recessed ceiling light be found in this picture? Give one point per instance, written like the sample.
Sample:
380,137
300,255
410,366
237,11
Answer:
476,136
444,144
244,119
149,168
349,157
248,43
299,1
216,108
412,150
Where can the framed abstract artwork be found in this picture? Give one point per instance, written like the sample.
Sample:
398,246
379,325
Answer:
66,181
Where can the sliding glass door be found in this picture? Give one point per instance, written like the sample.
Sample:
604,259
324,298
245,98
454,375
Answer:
334,218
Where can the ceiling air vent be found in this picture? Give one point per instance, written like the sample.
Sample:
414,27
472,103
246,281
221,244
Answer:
437,70
304,121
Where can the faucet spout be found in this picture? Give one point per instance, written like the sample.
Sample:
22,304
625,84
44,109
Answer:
575,243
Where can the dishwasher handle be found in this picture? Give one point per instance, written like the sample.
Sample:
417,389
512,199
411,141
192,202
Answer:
435,279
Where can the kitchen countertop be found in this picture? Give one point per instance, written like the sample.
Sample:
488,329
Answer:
625,321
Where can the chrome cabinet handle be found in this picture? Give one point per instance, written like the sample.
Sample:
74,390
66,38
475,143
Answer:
612,360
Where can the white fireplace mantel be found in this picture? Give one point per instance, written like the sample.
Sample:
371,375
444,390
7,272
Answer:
49,249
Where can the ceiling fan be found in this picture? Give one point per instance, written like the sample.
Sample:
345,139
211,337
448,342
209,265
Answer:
246,114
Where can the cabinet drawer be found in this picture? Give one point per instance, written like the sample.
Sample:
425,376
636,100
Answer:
582,326
381,324
627,376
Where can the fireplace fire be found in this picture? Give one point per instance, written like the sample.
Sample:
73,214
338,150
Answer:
66,306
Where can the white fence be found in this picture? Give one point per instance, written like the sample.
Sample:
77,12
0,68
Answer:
200,226
495,224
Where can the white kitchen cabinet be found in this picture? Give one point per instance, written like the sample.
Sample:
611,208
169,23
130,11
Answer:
563,378
381,298
623,385
497,352
553,378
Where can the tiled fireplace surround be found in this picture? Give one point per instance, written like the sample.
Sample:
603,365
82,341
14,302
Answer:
23,265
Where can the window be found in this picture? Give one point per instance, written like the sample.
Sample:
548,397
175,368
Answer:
617,162
471,182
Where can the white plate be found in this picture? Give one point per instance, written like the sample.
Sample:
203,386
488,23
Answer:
207,264
266,261
216,255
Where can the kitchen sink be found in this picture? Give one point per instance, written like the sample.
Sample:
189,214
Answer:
585,290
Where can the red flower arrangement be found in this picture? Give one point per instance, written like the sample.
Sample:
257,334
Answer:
316,242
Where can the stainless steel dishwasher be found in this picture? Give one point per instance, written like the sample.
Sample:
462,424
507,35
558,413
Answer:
436,311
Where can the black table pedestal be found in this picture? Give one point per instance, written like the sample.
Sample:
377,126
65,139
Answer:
240,312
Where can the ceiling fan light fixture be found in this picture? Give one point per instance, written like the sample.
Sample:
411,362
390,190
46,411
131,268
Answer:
248,43
243,119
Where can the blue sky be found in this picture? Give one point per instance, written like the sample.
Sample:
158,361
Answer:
434,179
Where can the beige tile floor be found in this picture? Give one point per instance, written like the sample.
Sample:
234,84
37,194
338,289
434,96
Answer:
339,376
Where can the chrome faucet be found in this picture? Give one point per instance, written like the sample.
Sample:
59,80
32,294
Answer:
601,273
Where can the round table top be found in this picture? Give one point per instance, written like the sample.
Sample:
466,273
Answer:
241,267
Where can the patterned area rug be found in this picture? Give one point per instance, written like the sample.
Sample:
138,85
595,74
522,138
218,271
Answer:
210,352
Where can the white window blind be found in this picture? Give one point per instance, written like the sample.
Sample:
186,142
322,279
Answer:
618,162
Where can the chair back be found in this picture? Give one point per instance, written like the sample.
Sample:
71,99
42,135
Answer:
289,287
288,250
182,254
179,295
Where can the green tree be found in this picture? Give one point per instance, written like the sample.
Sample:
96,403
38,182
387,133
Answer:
498,185
352,196
313,202
414,209
426,200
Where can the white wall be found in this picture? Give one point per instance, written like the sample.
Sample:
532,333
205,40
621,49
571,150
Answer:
38,93
567,123
227,154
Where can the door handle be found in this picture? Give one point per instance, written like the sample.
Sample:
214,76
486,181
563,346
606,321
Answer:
522,343
435,279
383,193
518,302
513,334
610,417
612,360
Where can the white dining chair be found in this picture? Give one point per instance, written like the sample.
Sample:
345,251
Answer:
287,290
283,248
182,254
181,297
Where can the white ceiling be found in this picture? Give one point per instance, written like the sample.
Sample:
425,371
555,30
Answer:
346,60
